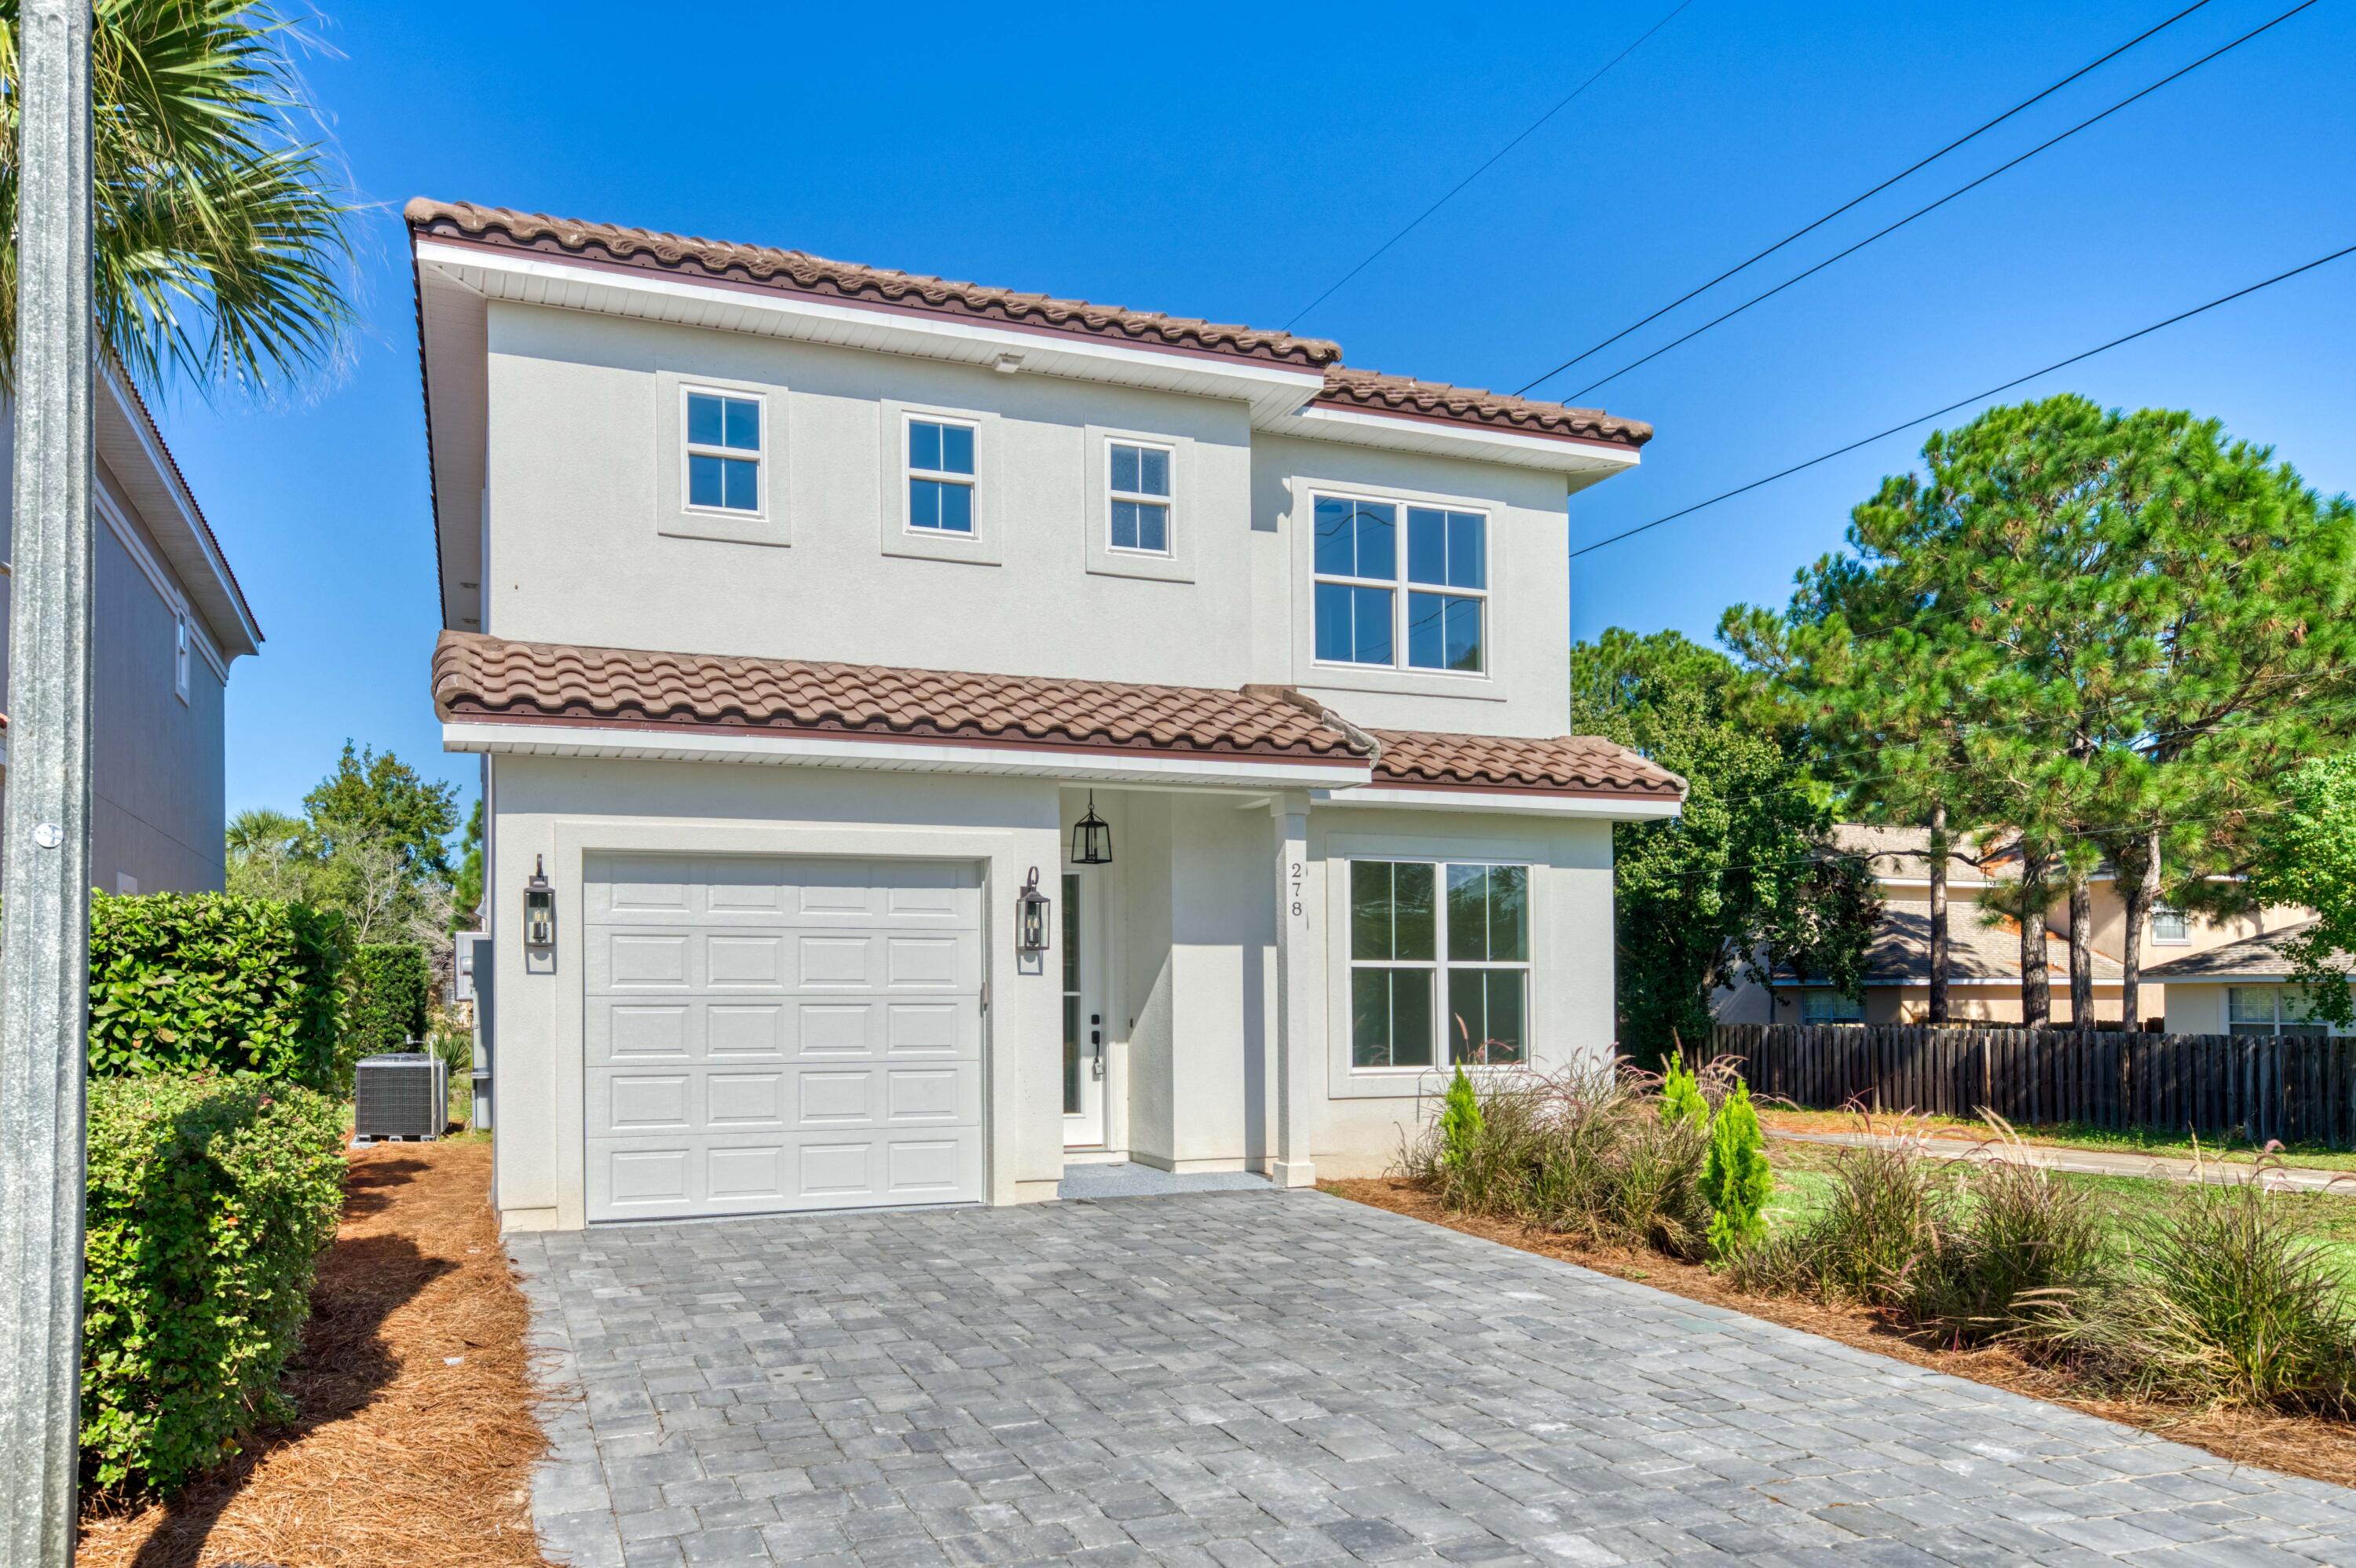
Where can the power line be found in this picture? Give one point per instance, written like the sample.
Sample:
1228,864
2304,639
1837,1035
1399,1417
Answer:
1923,211
1598,75
1965,402
1914,168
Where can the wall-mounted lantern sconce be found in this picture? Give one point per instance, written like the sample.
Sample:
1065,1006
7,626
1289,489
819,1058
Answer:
538,908
1092,837
1031,929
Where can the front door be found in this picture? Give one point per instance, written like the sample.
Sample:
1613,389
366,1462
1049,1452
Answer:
1083,1019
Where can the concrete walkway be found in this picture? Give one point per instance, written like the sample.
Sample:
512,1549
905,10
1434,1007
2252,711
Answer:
1233,1379
2092,1162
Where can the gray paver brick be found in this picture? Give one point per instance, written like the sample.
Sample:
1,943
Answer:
1248,1380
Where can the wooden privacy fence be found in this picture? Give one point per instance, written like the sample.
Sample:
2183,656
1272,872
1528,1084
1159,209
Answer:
2294,1088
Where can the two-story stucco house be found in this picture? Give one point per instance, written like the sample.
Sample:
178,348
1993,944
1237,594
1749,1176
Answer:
935,734
167,621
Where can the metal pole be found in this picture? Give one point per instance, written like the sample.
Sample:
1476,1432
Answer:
45,850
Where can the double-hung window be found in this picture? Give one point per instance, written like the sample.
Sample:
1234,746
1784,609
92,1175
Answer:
940,475
1421,607
2272,1009
724,452
1138,502
2168,926
1439,963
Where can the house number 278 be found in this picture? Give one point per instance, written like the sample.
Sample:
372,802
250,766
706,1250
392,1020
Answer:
1295,875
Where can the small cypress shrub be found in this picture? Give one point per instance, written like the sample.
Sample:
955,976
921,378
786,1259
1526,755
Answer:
1460,1123
1682,1101
1735,1177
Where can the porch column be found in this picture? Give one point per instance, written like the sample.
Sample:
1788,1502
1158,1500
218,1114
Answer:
1300,980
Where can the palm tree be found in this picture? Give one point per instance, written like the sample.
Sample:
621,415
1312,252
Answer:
222,234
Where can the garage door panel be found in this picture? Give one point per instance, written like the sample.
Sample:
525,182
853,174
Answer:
767,1034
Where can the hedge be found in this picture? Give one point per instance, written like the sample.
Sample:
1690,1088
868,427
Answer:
209,1198
183,982
392,984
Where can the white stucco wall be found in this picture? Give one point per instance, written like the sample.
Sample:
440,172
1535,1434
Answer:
580,487
2196,1009
563,810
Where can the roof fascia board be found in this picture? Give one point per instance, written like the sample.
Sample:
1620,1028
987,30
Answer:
160,490
1579,459
1267,387
1593,807
894,755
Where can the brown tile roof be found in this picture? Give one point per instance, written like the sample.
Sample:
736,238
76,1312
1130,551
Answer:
1575,764
484,677
1372,391
479,677
798,271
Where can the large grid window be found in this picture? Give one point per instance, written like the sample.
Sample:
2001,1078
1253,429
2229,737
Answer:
724,452
1423,607
1439,963
940,476
1138,508
2271,1010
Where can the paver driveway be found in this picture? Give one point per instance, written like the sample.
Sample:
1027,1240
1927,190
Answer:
1246,1377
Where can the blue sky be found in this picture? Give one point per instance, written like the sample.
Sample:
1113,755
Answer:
1233,162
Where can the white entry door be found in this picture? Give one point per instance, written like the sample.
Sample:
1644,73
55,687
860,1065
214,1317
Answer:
764,1034
1084,1031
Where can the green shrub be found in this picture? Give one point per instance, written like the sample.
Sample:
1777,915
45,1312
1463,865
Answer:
1584,1152
1681,1096
1735,1179
183,982
1459,1122
209,1197
391,983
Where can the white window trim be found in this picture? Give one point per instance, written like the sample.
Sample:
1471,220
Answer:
2160,907
771,526
1439,963
909,420
690,449
2275,1024
183,653
1400,587
986,545
1169,503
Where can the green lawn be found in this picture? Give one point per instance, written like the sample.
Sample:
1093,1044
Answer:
2103,1140
1803,1183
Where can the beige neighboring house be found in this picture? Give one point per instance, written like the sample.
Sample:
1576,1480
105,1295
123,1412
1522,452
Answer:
1984,949
934,736
168,620
2243,987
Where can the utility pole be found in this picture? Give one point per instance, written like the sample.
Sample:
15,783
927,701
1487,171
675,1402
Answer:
45,853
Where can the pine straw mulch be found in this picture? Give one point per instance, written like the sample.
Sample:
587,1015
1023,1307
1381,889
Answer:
398,1457
2321,1449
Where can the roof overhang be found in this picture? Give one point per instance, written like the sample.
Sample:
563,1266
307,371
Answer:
1079,764
1597,806
135,454
1580,460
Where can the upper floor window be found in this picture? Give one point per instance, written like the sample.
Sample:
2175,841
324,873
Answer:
1137,478
2168,927
724,452
1423,607
940,475
181,652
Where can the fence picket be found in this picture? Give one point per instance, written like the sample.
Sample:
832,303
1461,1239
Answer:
2283,1087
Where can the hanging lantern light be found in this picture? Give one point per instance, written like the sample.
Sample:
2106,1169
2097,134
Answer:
1092,837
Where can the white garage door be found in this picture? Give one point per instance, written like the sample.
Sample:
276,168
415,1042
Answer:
766,1034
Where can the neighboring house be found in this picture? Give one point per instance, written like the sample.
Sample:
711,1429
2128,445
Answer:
2243,987
933,734
1984,954
169,619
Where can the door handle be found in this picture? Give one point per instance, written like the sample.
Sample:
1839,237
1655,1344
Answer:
1096,1040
